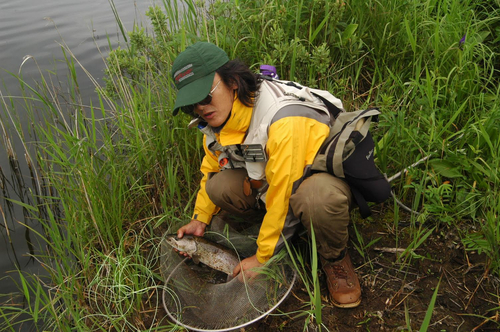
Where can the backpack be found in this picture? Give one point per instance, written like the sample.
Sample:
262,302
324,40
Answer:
348,152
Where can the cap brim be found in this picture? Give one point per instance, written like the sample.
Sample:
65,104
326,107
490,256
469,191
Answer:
194,92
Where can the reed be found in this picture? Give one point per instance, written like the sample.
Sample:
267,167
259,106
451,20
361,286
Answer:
306,259
110,178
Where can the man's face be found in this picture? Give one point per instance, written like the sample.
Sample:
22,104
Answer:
217,111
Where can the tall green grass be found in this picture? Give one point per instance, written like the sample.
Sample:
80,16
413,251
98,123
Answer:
114,175
300,261
110,177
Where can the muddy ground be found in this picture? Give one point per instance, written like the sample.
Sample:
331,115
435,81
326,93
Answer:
397,293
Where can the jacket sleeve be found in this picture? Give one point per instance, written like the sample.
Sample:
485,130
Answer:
204,208
292,145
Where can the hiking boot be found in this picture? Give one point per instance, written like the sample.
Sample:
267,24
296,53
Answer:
343,283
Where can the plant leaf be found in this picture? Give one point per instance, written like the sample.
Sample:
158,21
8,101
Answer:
348,32
446,168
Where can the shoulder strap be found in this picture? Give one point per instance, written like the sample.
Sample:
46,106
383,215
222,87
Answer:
359,121
332,108
364,209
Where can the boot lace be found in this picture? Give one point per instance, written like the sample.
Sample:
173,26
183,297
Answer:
337,271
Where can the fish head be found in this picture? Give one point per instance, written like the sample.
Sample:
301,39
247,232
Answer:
185,244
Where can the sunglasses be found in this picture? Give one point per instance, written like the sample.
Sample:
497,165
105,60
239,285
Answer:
189,109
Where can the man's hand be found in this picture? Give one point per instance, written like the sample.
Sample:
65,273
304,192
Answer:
249,266
195,227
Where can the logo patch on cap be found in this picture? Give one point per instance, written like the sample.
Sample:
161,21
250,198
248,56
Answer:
183,73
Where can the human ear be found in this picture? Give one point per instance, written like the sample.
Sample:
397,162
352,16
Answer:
233,85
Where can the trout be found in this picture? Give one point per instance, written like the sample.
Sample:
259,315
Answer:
202,250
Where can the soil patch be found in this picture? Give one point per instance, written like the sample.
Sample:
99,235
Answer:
398,291
397,288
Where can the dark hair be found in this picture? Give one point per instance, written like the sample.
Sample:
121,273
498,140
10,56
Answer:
237,72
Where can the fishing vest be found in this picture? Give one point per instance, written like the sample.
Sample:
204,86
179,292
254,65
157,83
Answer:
271,97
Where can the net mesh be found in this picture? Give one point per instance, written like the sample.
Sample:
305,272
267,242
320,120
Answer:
202,299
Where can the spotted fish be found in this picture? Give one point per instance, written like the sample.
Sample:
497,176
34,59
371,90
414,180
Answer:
207,252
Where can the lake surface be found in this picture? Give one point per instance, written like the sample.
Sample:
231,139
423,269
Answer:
37,28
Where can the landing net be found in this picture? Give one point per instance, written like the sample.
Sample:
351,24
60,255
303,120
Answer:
201,299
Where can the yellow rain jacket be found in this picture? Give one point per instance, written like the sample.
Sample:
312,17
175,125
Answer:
291,124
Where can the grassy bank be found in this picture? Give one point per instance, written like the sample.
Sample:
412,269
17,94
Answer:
110,178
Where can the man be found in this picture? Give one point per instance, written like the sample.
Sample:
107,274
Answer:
260,139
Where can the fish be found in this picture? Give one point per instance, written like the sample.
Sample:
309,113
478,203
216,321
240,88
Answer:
205,251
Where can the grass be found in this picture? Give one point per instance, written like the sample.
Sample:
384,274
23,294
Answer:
300,262
108,179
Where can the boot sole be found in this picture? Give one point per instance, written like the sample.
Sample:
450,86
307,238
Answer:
346,305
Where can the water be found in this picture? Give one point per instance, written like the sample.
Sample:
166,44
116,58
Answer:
37,28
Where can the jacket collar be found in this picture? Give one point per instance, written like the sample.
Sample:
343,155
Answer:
236,127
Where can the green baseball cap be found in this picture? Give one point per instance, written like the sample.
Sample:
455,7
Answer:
193,72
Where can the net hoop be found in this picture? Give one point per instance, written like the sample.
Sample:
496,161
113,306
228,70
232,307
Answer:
192,328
